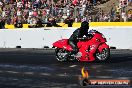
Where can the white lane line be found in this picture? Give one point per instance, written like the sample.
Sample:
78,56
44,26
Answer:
62,75
98,71
29,73
124,77
72,66
95,67
103,76
15,79
12,72
1,71
45,74
110,77
116,70
111,70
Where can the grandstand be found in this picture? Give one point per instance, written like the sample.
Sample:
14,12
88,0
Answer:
18,12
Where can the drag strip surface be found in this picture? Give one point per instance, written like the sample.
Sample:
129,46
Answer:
38,68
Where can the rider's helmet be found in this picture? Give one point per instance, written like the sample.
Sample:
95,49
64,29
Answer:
85,25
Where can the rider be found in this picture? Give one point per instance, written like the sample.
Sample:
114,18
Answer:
76,36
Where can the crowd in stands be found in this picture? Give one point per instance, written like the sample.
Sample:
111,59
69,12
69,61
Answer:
33,11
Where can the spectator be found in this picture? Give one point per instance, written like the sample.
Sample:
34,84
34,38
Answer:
129,17
39,23
18,24
52,22
94,2
124,16
35,12
2,23
61,9
117,19
69,21
19,13
112,14
130,2
106,18
118,9
96,18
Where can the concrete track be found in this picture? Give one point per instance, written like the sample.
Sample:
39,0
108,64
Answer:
38,68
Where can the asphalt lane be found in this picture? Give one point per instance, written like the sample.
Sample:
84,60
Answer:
38,68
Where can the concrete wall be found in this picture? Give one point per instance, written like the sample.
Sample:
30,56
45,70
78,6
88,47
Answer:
119,37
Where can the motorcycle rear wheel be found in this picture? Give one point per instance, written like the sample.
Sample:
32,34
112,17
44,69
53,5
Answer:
60,54
103,56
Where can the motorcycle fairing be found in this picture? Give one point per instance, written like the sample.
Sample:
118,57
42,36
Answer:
88,50
102,46
63,44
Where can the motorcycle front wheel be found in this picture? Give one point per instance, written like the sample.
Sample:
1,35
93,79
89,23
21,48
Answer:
102,56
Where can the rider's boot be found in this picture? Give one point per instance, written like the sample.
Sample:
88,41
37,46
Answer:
67,55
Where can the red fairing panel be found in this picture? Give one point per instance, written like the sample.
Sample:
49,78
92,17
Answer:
62,44
102,46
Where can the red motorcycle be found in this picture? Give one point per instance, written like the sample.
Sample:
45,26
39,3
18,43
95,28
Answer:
91,49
